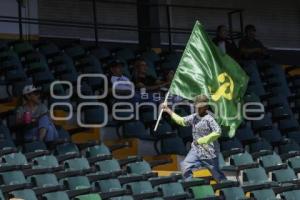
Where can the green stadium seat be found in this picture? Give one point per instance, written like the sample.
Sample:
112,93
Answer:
13,178
271,162
291,195
34,146
294,163
108,185
231,146
142,190
260,146
75,164
289,147
140,167
46,161
243,160
43,180
60,195
255,176
97,150
66,148
171,190
14,159
202,191
245,134
273,136
263,194
88,197
284,175
126,197
264,124
136,129
233,193
108,166
26,194
75,182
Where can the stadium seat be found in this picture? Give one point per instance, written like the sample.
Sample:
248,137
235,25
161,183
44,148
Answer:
142,189
108,166
75,182
291,195
171,190
231,146
43,180
66,148
88,197
242,160
254,176
260,146
13,178
233,193
288,147
44,162
271,162
34,146
26,194
284,175
108,185
77,164
294,163
273,136
202,192
61,195
97,150
263,194
14,159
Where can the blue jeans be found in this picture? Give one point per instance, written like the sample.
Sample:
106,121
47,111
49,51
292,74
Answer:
43,122
193,162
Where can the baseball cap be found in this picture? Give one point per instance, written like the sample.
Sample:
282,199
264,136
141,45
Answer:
29,89
201,100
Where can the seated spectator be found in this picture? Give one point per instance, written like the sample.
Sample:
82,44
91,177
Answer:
142,80
250,47
116,75
224,44
34,117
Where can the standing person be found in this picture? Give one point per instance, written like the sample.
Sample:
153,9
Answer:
250,47
221,40
205,148
34,116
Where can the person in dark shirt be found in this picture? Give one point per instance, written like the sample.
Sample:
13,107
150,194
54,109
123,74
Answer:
224,44
250,47
142,80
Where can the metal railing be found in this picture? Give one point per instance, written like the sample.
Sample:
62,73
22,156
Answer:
96,26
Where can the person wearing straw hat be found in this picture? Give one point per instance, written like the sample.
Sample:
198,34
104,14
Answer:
205,147
33,116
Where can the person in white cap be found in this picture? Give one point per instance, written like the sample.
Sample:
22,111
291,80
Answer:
34,114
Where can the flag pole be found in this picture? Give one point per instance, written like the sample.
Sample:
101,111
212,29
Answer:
161,111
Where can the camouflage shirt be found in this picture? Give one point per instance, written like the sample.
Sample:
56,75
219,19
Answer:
202,126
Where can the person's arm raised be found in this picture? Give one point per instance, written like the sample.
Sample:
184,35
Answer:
179,120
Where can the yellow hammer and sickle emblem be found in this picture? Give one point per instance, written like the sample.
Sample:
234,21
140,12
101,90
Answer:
223,89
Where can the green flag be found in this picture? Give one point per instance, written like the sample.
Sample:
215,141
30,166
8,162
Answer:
204,69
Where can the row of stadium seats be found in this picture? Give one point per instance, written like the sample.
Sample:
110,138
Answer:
264,155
